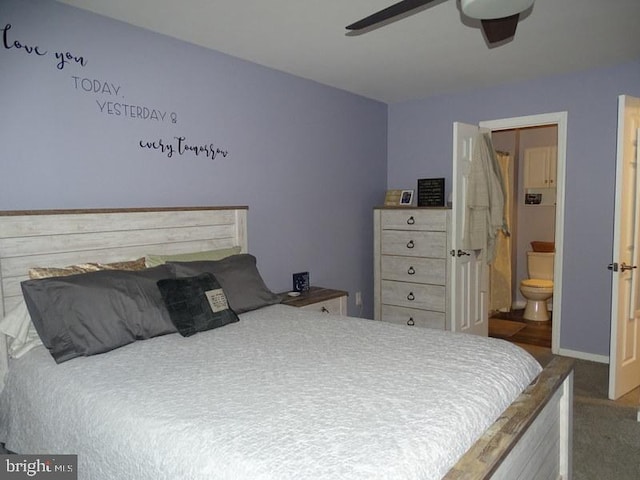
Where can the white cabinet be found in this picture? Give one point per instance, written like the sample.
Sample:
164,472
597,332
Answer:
539,180
540,167
411,267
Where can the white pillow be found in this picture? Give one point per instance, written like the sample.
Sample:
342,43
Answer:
21,334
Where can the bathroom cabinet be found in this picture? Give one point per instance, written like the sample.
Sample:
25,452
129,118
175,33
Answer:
540,167
540,164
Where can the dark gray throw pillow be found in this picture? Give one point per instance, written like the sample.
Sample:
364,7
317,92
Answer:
95,312
239,277
196,304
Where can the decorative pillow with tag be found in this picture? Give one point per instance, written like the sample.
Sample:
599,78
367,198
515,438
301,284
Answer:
196,304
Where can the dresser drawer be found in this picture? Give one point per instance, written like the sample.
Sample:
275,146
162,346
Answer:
414,295
415,270
335,306
430,220
413,317
424,244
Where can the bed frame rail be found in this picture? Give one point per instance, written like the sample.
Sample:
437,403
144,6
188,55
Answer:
533,438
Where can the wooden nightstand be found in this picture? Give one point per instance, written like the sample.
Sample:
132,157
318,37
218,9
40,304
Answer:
319,299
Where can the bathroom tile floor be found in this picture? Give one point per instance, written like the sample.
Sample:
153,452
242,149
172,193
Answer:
533,333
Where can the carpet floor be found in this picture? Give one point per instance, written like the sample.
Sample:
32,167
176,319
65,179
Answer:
606,434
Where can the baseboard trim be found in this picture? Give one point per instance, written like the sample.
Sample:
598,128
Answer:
584,355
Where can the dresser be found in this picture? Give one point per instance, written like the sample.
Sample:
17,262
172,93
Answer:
411,266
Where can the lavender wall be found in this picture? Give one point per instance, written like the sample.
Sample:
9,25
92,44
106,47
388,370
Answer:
420,145
296,150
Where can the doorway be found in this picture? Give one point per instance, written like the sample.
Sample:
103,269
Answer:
539,125
527,158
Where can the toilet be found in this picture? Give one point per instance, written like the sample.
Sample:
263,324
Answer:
538,288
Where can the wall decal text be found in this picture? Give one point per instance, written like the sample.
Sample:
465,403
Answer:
133,111
179,146
94,85
63,57
119,109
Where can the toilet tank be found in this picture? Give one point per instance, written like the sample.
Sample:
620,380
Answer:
540,265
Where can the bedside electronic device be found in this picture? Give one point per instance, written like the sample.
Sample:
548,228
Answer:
301,282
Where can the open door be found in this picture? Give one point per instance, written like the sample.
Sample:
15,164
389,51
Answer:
624,356
469,273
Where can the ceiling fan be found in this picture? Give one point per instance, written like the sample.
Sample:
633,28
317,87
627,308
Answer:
499,18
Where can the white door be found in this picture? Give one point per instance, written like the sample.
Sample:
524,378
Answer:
469,282
624,355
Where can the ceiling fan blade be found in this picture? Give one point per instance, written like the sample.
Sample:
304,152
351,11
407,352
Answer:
389,12
499,29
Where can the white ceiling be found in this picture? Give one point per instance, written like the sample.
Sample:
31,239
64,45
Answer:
433,51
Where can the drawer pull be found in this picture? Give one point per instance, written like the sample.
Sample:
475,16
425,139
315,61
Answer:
411,297
410,244
411,271
411,220
324,309
410,322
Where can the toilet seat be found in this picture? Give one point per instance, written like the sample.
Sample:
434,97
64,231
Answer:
537,283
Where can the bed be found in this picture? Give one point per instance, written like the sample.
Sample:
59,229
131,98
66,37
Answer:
281,393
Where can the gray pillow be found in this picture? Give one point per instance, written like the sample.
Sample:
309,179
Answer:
96,312
239,278
196,304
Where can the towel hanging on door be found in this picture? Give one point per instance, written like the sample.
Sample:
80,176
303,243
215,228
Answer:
485,198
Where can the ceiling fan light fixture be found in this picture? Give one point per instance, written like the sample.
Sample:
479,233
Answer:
490,9
500,29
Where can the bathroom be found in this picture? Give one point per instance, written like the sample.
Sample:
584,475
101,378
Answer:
527,157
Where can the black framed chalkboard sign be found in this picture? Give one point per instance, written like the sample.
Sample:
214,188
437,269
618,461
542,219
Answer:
431,192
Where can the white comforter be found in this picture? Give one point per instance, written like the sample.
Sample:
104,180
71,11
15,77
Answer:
282,394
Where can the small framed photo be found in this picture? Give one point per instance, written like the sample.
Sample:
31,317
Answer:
406,198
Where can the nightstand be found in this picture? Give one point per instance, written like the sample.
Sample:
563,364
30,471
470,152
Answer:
319,299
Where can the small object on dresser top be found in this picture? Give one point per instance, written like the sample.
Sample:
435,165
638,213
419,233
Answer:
301,282
293,294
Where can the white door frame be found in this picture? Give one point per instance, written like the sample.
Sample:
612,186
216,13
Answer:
559,119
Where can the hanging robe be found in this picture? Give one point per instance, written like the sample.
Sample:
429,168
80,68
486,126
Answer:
484,209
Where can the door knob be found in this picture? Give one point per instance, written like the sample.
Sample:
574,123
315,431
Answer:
624,267
462,253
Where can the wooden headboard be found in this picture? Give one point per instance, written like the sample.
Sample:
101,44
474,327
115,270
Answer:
57,238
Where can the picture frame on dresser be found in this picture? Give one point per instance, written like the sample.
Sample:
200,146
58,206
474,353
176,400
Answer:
406,198
392,197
